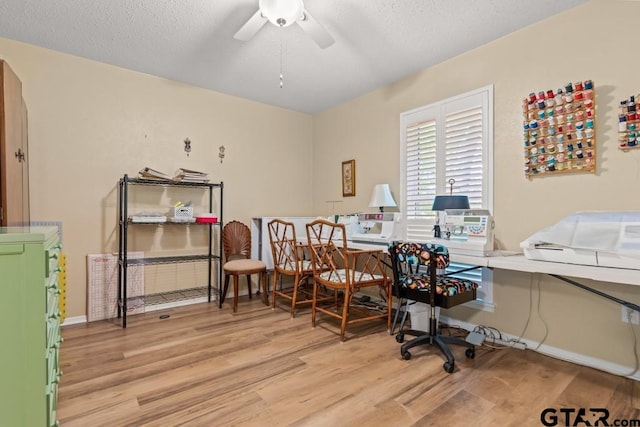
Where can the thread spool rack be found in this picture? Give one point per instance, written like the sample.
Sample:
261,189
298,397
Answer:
559,131
629,123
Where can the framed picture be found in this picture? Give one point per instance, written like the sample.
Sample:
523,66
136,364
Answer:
349,178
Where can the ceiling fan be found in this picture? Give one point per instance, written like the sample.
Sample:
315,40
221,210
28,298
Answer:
283,13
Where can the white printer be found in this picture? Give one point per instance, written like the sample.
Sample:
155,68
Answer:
600,238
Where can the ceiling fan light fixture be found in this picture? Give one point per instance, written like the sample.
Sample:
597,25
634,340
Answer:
282,13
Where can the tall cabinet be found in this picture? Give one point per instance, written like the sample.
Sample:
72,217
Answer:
212,255
14,165
29,326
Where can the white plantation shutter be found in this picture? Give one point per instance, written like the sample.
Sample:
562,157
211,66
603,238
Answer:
463,153
451,139
420,176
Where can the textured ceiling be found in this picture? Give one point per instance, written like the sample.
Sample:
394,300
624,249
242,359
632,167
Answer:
377,41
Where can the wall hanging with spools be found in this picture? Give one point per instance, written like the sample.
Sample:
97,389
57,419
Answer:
629,123
559,130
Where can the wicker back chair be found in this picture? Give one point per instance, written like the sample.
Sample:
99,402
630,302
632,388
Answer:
337,267
290,260
236,243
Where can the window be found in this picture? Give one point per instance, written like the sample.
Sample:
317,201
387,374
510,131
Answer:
450,139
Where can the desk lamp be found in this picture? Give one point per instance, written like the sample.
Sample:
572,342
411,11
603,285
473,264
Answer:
447,201
382,197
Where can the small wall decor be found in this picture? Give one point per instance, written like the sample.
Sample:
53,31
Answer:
559,130
348,178
629,123
187,146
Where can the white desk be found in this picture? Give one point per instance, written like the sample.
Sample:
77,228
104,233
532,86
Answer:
518,262
261,249
602,274
351,244
383,247
562,271
480,261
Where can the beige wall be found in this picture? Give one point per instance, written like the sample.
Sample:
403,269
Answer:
589,42
90,123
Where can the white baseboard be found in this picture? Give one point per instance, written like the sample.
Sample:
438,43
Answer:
74,320
558,353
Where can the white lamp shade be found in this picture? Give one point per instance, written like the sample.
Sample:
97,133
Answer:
382,197
281,12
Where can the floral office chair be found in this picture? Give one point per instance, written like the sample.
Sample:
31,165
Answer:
416,266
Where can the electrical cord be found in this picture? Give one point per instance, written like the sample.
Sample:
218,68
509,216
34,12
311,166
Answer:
526,324
492,334
633,334
462,332
635,346
365,301
546,326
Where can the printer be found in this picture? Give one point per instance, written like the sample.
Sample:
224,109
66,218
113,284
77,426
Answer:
598,238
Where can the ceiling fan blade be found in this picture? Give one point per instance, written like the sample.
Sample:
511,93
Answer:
316,31
251,27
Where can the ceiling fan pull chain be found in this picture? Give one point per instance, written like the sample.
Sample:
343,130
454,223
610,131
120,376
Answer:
281,73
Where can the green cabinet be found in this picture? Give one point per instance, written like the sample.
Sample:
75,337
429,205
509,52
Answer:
29,326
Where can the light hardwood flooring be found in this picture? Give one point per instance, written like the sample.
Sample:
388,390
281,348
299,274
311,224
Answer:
209,367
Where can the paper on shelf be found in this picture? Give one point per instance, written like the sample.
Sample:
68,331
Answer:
148,173
189,175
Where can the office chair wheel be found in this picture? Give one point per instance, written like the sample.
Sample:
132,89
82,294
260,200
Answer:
470,353
406,355
400,338
448,367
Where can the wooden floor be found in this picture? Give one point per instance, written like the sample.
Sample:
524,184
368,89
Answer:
208,367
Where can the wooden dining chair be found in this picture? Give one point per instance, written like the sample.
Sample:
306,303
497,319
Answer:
236,243
345,270
291,260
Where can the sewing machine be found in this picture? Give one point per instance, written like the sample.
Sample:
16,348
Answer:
468,232
378,228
